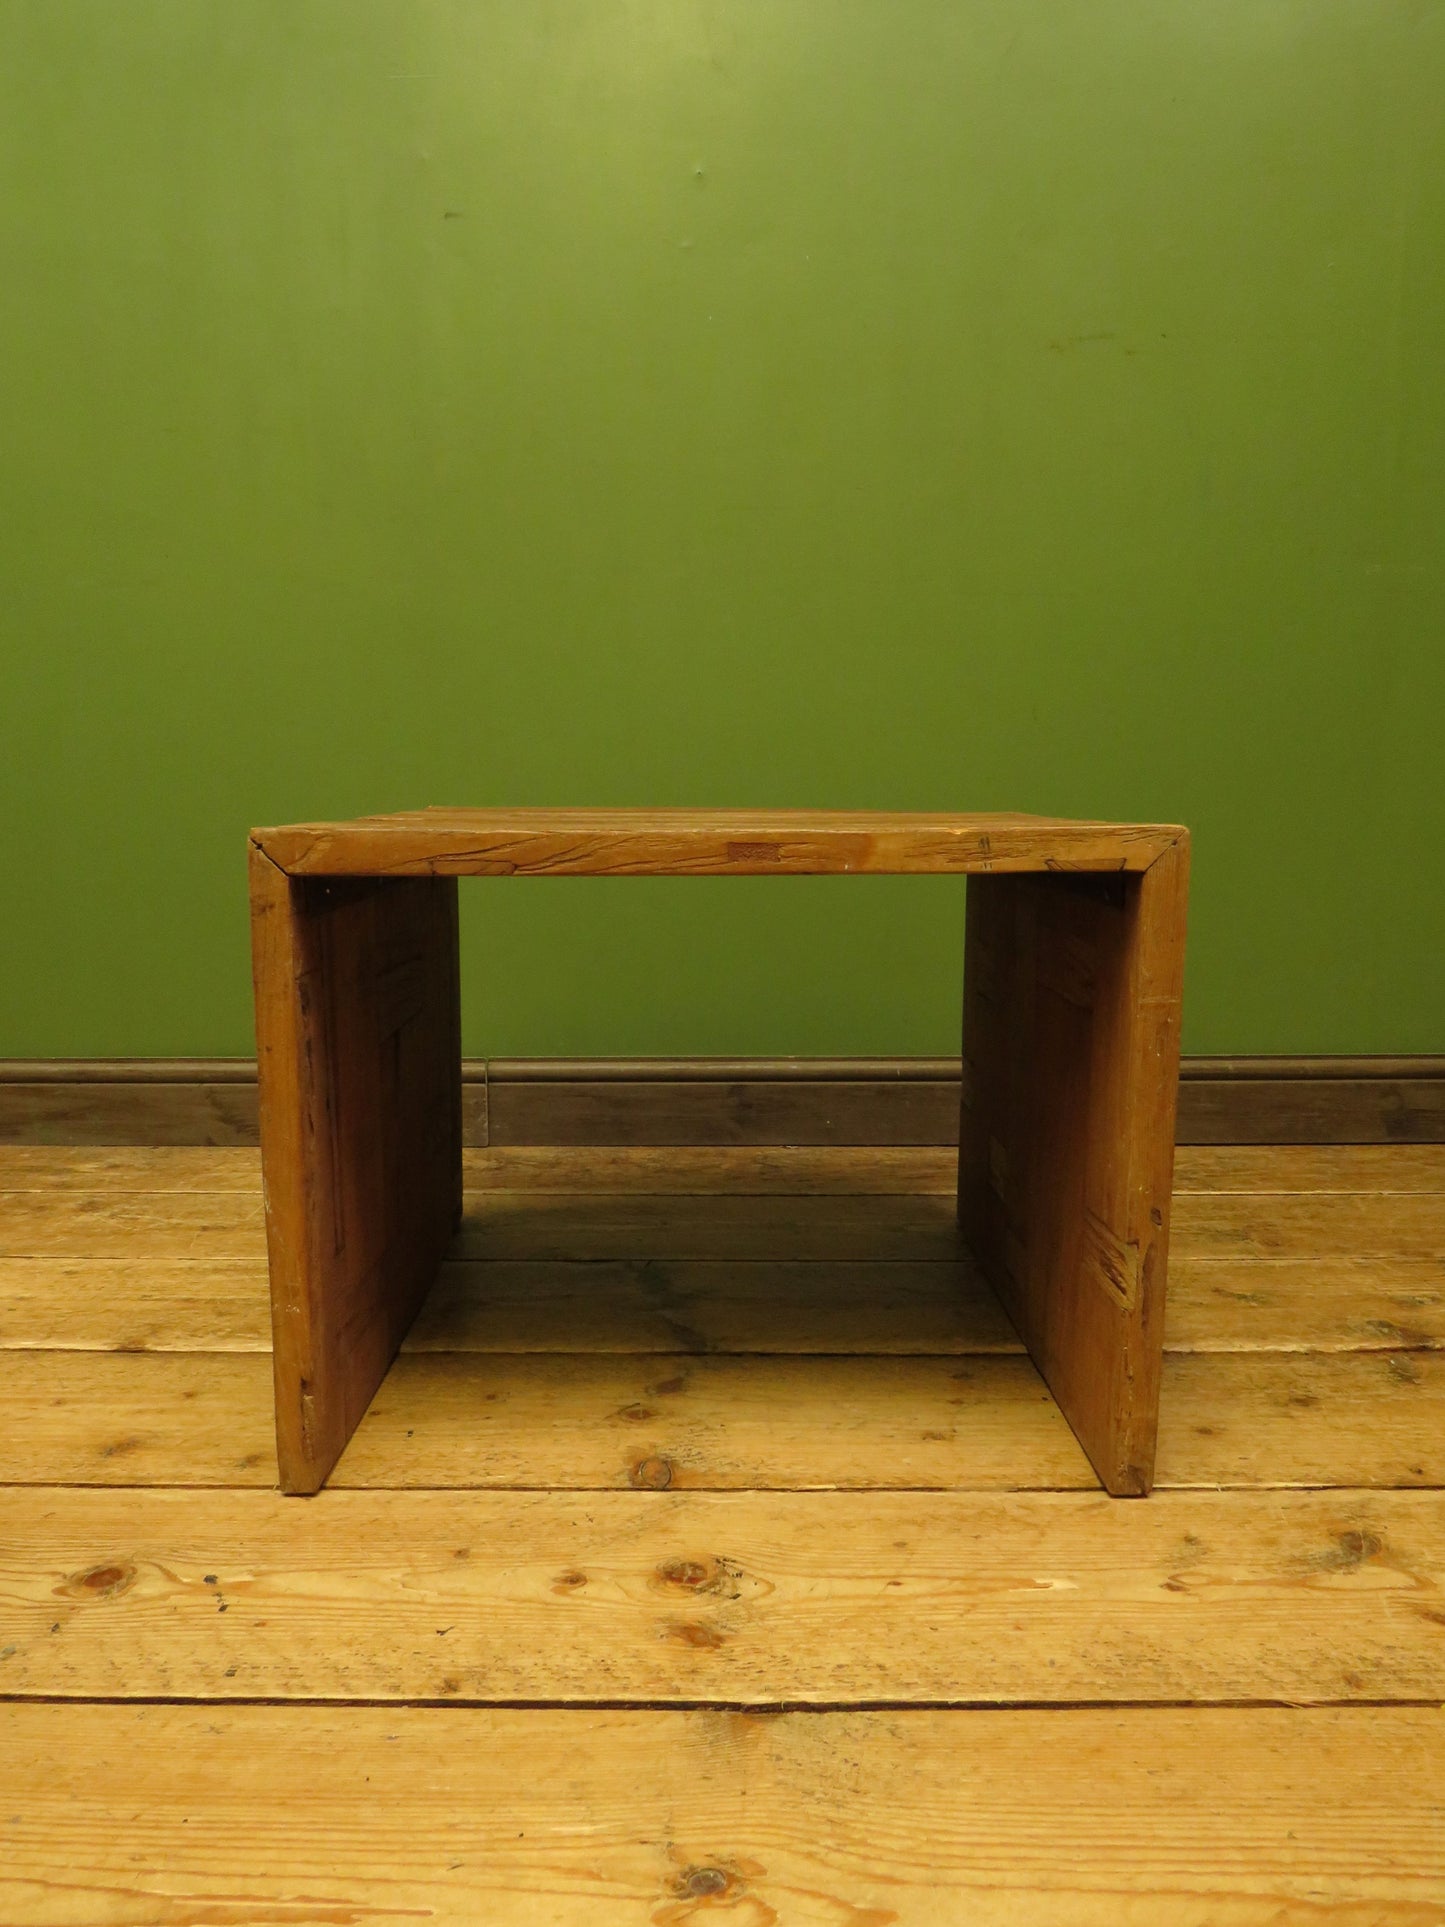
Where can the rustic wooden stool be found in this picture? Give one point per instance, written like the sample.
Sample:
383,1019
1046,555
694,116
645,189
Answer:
1072,983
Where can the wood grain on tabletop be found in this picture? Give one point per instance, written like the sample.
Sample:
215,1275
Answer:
594,842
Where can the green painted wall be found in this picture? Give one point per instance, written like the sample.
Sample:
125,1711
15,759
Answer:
913,403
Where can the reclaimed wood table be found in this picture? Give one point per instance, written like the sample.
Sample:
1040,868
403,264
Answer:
1073,970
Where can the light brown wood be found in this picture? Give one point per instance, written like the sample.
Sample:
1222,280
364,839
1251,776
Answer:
1342,1224
756,1598
595,842
1342,1419
623,1305
738,1170
144,1170
598,1422
1071,1064
540,1223
144,1418
617,1170
689,1305
1368,1419
498,1224
1046,1813
1243,1816
711,1423
1085,1817
1382,1170
1305,1305
353,1095
201,1226
533,1224
359,1052
573,1421
134,1305
523,1224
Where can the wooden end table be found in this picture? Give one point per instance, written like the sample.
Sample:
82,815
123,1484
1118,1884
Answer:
1072,984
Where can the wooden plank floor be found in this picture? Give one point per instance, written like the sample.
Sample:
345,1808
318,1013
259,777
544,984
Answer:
712,1550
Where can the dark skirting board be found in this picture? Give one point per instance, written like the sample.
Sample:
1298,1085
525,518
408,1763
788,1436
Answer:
509,1100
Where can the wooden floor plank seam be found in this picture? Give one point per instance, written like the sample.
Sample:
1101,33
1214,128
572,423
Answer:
743,1708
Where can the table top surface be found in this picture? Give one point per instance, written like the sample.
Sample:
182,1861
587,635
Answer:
676,842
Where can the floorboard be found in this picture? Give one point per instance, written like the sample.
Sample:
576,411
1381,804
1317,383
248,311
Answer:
1212,1169
1086,1817
744,1597
221,1225
720,1305
712,1550
585,1421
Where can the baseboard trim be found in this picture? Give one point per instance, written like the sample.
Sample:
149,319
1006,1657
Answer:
861,1100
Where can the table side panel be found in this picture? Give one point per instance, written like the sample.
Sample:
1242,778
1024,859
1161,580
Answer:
1071,1049
360,1106
1071,1056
